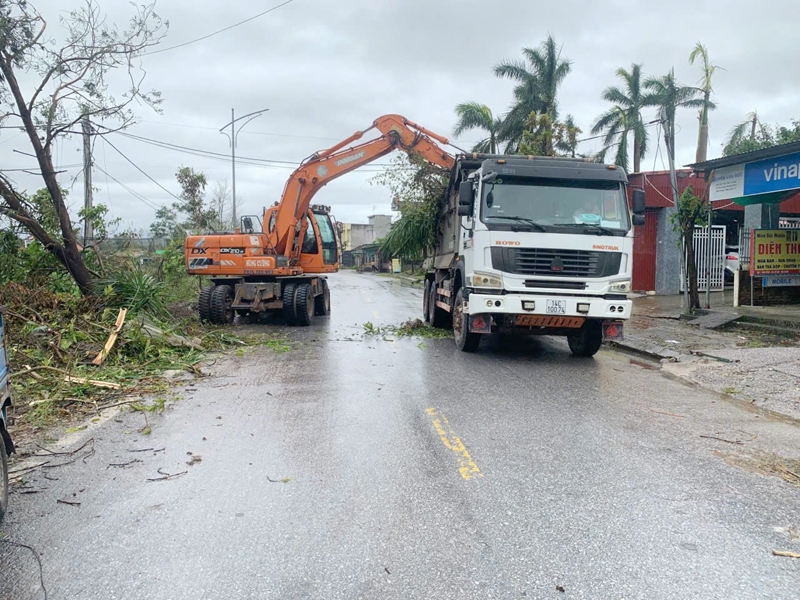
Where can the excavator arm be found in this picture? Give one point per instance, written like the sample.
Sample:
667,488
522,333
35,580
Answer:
397,133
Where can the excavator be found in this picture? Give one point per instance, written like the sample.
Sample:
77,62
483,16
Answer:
278,262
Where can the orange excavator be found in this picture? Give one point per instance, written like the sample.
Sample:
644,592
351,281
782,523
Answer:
279,265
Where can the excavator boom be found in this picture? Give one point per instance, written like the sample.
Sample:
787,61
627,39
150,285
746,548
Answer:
397,133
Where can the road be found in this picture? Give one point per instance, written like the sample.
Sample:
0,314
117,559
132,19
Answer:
362,467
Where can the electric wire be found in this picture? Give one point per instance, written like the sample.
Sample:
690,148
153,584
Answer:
205,37
142,171
133,193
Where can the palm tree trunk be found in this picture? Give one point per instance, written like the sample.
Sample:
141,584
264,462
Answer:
702,143
637,151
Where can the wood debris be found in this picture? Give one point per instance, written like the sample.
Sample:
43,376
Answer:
112,338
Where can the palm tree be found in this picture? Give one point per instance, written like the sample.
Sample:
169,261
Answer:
568,139
625,116
668,96
537,87
472,115
701,52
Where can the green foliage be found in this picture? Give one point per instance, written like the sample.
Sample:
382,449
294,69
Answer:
472,115
411,328
666,94
538,81
192,204
692,210
97,216
624,117
752,134
136,290
166,225
418,187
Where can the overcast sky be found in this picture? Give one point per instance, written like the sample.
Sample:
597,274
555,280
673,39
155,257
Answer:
326,68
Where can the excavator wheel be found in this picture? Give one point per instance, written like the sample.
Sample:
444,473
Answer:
289,311
204,303
322,303
305,304
221,300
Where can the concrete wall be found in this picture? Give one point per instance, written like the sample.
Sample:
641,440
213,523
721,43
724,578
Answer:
381,224
668,255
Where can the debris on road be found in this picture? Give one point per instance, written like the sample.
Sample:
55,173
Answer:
112,338
167,476
786,553
67,502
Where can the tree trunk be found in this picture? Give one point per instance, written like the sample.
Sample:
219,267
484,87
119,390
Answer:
68,254
702,136
637,151
691,267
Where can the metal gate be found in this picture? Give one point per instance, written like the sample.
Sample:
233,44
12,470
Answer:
708,264
645,242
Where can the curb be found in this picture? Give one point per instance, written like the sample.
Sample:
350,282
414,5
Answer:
649,351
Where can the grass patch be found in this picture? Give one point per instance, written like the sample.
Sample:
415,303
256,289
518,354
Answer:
411,328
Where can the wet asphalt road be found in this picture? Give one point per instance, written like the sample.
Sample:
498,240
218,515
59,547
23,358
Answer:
372,468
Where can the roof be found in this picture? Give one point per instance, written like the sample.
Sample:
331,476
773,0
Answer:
745,157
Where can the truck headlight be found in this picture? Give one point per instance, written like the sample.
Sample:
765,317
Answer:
623,286
481,279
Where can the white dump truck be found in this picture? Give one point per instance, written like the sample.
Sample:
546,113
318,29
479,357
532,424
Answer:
534,245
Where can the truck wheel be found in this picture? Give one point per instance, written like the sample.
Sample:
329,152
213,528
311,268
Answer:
204,303
289,312
322,303
426,300
220,306
305,304
587,340
466,341
3,480
437,317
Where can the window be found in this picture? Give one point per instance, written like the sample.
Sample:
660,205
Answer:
330,252
310,240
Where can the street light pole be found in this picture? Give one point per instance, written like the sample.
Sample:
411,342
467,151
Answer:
232,136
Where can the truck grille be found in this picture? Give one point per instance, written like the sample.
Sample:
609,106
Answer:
551,262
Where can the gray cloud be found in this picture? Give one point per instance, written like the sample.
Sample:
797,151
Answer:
326,68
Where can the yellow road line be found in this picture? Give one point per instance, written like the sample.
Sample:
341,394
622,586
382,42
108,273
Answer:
466,466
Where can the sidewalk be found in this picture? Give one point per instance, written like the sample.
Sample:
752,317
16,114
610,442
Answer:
752,353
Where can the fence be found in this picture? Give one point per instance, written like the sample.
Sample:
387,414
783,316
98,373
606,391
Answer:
710,262
133,243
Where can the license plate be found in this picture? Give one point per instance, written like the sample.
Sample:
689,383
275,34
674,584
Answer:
556,307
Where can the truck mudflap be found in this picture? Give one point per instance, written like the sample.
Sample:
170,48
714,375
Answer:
612,331
480,323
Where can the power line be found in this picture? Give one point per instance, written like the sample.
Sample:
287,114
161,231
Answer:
142,172
205,37
133,193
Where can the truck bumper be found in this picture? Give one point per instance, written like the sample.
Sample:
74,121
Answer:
502,304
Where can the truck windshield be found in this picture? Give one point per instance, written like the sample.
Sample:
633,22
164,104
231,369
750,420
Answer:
558,205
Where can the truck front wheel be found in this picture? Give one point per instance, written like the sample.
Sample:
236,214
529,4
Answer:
587,340
466,341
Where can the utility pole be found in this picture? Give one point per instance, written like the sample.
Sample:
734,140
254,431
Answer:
673,180
232,136
88,232
233,170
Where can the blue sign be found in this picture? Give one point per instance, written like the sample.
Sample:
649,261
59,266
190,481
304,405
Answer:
772,175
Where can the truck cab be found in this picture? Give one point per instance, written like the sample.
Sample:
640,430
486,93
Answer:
535,245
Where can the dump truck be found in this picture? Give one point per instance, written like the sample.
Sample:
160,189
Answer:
533,245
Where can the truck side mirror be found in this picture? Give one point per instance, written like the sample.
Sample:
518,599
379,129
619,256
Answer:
466,199
639,219
638,202
247,224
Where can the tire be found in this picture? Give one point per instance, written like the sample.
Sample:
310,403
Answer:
437,317
204,303
289,313
305,305
426,301
221,300
3,480
465,340
322,303
587,340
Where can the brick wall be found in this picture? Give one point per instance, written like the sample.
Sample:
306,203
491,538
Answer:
765,296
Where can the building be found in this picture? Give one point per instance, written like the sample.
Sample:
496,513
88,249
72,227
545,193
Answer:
354,235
